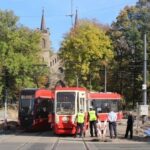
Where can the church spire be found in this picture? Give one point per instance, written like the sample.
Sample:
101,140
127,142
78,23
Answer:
43,25
76,19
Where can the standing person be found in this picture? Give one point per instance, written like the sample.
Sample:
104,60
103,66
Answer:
129,128
80,123
112,118
92,117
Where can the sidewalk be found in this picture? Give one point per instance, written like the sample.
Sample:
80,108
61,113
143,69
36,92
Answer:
121,128
11,119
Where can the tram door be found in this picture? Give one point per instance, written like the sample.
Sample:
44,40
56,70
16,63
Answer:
81,101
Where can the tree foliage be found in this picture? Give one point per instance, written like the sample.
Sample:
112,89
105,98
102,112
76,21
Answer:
19,54
84,51
127,34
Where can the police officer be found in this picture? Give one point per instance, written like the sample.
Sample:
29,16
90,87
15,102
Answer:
93,120
80,122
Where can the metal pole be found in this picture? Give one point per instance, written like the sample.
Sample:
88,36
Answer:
72,12
77,80
145,72
105,79
5,109
90,83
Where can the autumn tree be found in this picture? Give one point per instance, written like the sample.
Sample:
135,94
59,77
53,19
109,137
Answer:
84,51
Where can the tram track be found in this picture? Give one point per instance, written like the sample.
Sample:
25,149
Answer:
29,141
54,147
11,135
85,144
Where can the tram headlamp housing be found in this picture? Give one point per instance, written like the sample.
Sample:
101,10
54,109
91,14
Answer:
65,119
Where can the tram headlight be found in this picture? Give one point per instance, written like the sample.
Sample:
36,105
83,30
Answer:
65,119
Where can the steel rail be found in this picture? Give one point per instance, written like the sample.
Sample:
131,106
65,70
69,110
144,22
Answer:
85,144
28,141
54,147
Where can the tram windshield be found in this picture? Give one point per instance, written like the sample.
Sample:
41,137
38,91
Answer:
43,107
103,106
65,103
26,104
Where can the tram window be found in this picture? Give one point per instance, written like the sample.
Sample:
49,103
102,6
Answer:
82,103
26,105
86,105
114,105
120,106
98,110
42,108
105,105
65,103
93,103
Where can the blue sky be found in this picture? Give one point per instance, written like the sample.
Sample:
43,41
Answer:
56,11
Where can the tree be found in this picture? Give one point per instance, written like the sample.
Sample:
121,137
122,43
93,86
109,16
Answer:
84,51
19,52
127,36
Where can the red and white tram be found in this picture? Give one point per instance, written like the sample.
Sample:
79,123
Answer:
68,102
103,102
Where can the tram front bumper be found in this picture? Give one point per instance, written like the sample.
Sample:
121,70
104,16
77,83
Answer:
64,129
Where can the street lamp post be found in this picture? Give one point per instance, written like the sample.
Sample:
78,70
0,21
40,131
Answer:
6,98
144,107
144,86
77,80
105,79
5,109
133,75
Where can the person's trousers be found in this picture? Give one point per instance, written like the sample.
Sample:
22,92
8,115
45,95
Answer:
93,125
129,129
113,128
79,128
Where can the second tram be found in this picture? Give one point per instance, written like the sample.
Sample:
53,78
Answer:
34,107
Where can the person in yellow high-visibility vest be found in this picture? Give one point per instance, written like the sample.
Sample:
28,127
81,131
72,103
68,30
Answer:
80,122
92,117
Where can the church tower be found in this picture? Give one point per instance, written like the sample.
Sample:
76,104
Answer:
45,41
52,60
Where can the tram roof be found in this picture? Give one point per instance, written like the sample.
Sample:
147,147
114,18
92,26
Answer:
102,95
28,90
70,88
44,93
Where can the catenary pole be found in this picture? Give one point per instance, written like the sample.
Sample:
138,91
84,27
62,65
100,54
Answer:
145,72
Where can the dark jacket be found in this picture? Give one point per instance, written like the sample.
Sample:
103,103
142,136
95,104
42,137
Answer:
130,120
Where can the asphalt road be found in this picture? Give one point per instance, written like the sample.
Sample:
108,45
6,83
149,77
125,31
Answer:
47,141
